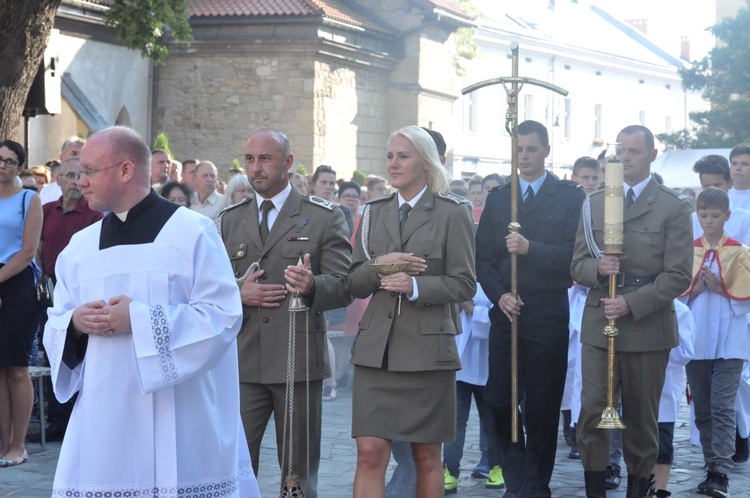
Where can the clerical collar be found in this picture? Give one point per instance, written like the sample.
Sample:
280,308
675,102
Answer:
142,223
638,188
413,202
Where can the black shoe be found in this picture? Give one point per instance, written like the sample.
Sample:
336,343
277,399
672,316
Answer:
53,433
703,485
637,486
717,485
662,493
568,432
574,454
595,484
613,477
741,451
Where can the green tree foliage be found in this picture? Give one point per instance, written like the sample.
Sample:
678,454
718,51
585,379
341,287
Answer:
358,177
466,48
724,78
161,142
301,169
145,24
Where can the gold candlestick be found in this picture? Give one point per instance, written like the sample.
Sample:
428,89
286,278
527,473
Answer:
613,216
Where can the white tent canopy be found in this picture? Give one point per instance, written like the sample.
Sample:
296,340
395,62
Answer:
676,166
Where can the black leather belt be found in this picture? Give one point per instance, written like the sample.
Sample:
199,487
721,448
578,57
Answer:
630,280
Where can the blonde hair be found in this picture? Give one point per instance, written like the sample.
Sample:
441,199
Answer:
437,176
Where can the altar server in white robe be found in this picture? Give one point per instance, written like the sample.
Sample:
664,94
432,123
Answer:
144,325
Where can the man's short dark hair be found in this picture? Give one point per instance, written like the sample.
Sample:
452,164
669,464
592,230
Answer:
493,176
348,185
529,126
713,164
629,130
739,150
439,141
586,162
713,197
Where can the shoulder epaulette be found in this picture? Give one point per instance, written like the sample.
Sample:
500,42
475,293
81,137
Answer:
382,198
448,196
319,201
681,197
234,206
570,183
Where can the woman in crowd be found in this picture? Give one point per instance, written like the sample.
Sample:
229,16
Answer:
42,175
324,182
238,190
299,181
20,229
405,354
178,193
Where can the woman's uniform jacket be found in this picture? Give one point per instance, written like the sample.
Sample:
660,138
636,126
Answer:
440,230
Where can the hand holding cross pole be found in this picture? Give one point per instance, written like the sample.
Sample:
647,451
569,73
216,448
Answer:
511,124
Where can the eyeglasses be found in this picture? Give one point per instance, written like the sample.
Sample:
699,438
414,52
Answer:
91,172
8,163
350,197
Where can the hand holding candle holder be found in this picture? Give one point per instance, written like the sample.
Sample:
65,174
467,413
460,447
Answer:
383,269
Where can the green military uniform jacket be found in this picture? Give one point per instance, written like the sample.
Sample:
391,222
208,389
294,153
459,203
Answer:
305,224
658,242
439,229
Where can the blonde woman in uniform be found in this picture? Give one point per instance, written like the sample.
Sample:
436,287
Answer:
405,354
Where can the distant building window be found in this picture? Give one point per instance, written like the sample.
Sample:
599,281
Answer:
528,107
567,66
598,73
469,165
471,110
568,113
597,120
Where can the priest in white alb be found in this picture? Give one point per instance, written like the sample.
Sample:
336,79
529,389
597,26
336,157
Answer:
144,325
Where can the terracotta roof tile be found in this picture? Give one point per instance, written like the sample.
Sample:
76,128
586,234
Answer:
212,8
332,9
449,6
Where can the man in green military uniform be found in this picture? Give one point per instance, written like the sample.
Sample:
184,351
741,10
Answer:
275,229
657,241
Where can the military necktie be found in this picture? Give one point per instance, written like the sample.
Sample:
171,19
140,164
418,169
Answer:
265,207
404,213
630,198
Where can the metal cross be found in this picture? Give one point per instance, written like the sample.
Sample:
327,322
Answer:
511,125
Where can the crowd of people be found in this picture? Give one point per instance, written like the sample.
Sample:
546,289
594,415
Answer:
231,302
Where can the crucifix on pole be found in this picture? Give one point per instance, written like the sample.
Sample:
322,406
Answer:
513,85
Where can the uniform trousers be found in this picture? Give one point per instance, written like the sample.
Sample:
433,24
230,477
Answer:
259,401
639,377
542,363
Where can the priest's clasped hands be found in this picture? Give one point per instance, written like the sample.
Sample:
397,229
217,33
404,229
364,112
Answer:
102,318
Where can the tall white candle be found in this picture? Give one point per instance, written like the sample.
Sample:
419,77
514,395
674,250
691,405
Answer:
613,208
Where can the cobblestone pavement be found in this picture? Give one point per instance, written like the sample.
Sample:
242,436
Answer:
338,462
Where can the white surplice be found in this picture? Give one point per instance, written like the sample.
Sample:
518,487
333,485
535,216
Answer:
158,409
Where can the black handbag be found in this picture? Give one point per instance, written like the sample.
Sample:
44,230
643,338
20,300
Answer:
45,288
